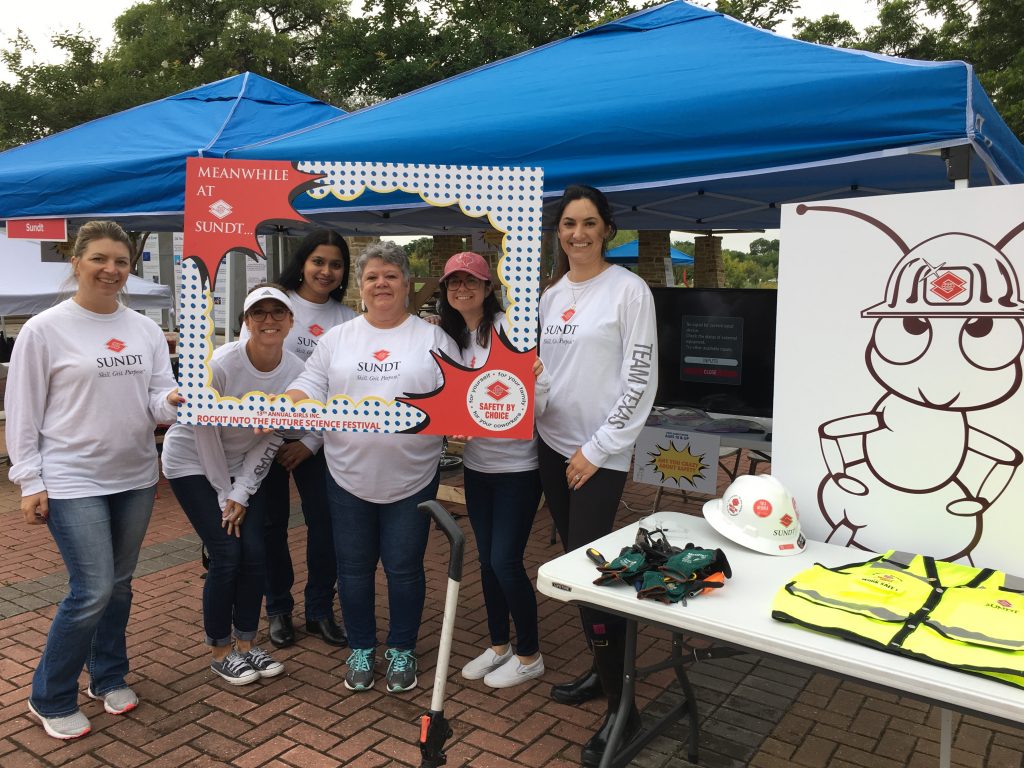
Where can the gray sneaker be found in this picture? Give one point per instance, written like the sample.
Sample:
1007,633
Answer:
120,701
401,675
68,727
360,669
263,662
235,669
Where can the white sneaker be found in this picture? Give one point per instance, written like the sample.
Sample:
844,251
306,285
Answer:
486,662
514,672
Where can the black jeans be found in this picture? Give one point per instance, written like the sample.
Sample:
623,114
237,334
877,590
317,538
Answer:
233,590
580,517
501,507
322,571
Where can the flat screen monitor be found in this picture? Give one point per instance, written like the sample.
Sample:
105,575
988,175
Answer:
716,349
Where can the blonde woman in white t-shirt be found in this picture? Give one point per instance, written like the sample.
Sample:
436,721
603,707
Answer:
89,381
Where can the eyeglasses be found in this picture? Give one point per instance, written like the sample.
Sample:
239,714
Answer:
463,282
277,313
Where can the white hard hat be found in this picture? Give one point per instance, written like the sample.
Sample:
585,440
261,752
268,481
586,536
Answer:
758,512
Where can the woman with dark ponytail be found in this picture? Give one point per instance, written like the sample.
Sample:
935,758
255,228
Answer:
599,347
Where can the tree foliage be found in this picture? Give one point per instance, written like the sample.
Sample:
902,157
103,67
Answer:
757,269
391,47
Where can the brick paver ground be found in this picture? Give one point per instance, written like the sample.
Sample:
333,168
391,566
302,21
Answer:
755,711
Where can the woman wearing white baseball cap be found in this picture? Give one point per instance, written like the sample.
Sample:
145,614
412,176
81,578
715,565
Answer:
216,472
315,280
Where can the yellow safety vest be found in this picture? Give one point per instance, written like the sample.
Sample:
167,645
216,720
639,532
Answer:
958,616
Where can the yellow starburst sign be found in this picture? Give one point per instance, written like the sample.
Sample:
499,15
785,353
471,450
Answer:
677,464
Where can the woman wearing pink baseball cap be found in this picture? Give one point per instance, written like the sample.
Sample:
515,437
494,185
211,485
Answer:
502,486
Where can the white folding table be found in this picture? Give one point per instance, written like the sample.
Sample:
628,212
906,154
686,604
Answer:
739,615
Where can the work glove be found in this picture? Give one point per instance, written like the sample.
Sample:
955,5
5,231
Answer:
625,568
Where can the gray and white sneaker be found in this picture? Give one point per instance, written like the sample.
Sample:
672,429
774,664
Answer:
67,727
488,661
120,701
263,663
514,672
235,669
401,674
360,669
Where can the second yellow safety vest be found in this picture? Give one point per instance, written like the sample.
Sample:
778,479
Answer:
959,616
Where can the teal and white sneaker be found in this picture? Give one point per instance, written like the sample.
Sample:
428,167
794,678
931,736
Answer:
401,675
360,669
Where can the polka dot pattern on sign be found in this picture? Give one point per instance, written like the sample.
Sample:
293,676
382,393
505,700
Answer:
510,199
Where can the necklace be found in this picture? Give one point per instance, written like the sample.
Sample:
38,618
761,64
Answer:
577,290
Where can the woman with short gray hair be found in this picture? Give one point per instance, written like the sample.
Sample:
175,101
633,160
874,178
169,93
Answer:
384,353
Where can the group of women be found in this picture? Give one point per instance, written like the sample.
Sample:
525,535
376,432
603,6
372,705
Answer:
359,490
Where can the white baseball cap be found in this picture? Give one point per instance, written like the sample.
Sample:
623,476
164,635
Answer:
267,292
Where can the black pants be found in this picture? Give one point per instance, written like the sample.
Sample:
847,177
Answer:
580,517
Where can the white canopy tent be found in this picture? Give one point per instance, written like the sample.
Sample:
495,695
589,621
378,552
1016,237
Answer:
29,285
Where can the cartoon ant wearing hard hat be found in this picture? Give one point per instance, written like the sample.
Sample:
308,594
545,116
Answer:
947,342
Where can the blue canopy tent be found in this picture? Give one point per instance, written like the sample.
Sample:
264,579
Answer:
629,253
130,166
690,119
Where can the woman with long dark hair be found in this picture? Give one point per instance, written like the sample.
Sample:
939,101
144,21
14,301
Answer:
315,281
89,382
599,347
502,487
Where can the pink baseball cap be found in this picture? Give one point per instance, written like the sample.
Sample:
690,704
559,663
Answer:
467,261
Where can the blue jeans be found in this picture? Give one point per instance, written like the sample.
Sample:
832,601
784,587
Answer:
394,534
99,538
322,571
233,590
501,508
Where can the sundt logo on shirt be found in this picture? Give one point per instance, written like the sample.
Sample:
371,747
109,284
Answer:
115,345
379,367
316,330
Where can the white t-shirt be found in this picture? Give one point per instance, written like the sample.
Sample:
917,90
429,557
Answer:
599,345
312,321
495,454
84,394
234,459
358,360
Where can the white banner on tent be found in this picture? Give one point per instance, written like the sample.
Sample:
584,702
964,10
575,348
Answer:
898,397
